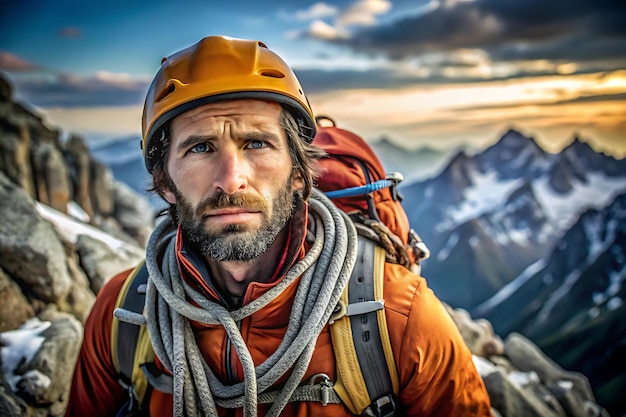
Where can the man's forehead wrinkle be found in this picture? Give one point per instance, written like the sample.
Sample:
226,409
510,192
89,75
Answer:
236,108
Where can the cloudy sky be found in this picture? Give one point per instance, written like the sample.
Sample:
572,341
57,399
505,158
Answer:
421,72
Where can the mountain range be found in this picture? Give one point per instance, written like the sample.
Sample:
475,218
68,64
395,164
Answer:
535,243
570,302
489,216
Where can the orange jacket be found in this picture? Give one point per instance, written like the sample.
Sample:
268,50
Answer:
436,371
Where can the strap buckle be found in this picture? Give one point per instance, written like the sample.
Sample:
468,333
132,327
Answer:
325,385
384,406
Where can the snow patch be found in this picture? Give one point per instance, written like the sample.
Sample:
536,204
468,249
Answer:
77,212
510,288
567,385
485,194
593,312
598,298
19,346
70,228
522,379
450,244
483,366
559,293
428,193
614,303
563,210
36,378
548,279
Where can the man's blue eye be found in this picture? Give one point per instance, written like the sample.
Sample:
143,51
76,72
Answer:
199,148
256,144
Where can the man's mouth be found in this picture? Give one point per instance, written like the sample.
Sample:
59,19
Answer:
232,214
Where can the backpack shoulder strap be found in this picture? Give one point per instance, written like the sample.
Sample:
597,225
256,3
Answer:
367,378
130,347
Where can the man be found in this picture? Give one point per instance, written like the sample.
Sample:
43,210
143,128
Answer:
239,298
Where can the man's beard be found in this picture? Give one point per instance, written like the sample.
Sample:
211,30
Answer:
234,242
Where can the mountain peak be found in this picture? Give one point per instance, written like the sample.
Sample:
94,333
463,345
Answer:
582,155
513,156
579,146
515,139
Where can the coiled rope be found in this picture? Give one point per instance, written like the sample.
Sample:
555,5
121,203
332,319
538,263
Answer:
324,272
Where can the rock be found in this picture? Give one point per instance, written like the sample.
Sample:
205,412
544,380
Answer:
11,405
477,334
15,157
102,189
512,400
80,298
101,262
133,212
79,161
30,250
526,356
14,309
6,90
51,177
46,378
573,404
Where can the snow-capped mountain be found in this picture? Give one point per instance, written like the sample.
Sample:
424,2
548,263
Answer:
571,300
488,217
580,279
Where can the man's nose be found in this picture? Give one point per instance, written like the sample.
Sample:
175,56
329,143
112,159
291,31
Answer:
232,171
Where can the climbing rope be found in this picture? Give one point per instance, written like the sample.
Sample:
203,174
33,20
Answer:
323,272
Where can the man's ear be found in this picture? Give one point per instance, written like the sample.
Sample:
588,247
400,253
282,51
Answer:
169,196
297,183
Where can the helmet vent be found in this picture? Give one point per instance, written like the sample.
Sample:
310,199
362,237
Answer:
169,89
272,73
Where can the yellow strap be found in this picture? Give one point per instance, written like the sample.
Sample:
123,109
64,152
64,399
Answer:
379,277
350,385
115,324
143,350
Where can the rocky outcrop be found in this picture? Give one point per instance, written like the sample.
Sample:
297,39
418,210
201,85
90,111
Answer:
521,380
51,264
59,173
51,267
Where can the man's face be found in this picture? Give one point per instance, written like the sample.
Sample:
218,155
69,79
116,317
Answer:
231,172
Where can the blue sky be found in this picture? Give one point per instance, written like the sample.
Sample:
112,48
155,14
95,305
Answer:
421,72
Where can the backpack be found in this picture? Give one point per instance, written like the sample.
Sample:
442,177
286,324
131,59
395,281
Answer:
354,179
367,379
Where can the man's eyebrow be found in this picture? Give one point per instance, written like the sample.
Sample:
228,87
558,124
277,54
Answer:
265,136
194,139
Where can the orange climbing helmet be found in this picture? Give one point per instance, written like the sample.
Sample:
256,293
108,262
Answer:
219,68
